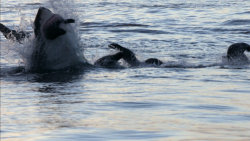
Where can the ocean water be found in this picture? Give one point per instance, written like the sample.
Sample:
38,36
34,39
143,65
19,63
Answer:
194,95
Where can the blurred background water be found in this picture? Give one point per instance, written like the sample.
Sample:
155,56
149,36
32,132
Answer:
146,103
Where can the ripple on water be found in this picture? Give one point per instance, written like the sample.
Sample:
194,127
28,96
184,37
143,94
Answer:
236,22
179,101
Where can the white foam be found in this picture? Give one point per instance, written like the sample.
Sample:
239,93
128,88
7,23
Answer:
13,51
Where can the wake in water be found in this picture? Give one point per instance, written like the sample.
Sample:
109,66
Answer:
235,56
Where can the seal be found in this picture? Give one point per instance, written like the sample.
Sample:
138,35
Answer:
131,59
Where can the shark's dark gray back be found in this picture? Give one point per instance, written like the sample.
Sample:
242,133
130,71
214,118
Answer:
237,49
236,55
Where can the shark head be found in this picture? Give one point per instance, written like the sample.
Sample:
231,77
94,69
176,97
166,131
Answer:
47,24
56,42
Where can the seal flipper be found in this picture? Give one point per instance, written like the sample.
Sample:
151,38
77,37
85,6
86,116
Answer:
12,34
128,56
5,30
109,61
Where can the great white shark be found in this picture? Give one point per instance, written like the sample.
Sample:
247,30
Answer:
56,42
56,46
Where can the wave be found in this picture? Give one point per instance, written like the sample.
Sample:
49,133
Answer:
96,24
142,31
237,22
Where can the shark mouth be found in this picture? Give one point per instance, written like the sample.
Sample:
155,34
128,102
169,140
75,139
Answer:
51,29
54,20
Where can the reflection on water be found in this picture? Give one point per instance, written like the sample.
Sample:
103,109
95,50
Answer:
104,104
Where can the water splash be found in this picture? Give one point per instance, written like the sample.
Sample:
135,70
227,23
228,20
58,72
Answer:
66,9
16,53
236,61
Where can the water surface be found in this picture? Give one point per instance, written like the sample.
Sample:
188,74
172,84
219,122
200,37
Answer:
178,101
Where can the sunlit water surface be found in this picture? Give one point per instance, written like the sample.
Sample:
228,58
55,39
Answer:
178,101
